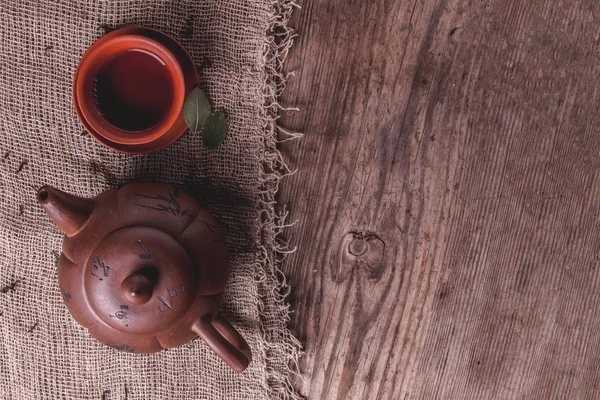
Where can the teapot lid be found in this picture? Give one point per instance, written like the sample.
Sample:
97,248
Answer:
139,280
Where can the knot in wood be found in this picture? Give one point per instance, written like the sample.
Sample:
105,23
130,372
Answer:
362,253
358,247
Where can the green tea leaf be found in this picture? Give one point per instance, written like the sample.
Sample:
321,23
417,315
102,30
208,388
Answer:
215,130
196,109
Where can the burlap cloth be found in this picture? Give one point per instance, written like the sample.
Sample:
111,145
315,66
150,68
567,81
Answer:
44,354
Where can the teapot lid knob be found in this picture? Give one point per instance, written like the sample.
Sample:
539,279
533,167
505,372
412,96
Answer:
139,280
137,289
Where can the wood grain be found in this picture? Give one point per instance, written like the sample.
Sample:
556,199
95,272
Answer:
447,198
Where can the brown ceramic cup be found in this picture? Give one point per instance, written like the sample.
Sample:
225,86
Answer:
182,74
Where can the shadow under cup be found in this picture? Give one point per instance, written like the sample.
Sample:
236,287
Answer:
130,90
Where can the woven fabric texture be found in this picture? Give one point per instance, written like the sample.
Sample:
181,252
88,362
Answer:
44,354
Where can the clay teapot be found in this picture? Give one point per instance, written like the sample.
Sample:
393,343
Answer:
144,268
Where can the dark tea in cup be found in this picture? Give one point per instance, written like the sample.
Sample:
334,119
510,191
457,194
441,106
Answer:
134,90
129,89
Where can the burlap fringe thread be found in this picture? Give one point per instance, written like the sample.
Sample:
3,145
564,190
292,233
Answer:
272,250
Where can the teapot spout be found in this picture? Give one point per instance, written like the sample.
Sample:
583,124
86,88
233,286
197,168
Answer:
70,213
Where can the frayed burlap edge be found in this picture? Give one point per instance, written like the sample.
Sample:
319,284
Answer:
277,342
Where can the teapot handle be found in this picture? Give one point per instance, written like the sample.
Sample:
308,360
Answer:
224,340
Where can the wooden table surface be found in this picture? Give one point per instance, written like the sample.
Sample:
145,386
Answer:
447,198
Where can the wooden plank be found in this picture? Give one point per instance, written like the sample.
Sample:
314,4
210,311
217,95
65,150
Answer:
447,199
